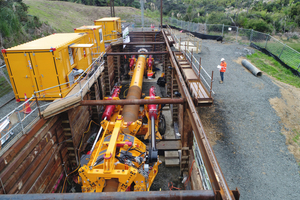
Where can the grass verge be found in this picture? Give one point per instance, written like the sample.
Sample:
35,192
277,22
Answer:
270,66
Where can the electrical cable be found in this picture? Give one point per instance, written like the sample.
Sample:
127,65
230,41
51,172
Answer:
170,184
78,154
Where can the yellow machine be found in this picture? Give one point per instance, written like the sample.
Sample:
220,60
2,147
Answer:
95,34
112,29
119,161
47,62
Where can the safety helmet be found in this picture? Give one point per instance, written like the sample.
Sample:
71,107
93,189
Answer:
222,59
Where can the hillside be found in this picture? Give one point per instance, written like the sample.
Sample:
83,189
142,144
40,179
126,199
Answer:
65,16
16,26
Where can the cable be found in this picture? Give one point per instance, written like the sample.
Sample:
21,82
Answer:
190,173
78,153
170,184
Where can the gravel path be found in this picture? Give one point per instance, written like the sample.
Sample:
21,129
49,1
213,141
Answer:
250,147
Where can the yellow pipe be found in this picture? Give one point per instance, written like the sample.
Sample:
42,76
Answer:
138,73
131,112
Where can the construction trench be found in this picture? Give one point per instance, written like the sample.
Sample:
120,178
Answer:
35,165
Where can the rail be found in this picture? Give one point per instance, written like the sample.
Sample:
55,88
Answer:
14,125
188,54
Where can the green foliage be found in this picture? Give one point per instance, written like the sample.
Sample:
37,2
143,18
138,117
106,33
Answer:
273,68
16,26
259,25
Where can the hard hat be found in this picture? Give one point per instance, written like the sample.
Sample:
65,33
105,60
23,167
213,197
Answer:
222,59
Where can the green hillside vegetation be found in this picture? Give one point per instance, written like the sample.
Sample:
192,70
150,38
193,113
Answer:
272,16
16,26
65,16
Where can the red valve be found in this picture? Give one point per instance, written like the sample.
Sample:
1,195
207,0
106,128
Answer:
132,62
152,107
150,62
110,108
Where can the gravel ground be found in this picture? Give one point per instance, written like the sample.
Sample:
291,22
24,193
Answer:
249,145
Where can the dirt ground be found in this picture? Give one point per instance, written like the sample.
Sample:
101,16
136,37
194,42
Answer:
288,109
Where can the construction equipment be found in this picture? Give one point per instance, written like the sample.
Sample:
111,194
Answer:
49,64
112,28
119,161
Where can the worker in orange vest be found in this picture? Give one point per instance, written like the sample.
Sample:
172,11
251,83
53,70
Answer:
222,67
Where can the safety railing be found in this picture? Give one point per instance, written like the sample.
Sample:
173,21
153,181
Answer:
286,54
206,184
145,28
196,65
6,91
77,80
17,122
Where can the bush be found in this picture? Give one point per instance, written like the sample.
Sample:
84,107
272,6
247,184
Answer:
259,25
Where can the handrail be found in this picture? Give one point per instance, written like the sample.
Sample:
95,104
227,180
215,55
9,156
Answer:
192,56
77,80
38,106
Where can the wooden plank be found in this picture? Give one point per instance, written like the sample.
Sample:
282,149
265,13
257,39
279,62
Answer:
49,177
186,66
190,74
15,172
53,163
196,181
54,179
16,182
78,123
45,154
71,99
16,147
41,167
168,145
174,162
12,160
171,154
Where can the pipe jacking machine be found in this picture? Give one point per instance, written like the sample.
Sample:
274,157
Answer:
119,161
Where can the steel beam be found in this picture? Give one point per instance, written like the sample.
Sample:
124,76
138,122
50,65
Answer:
136,53
142,43
157,195
132,102
216,176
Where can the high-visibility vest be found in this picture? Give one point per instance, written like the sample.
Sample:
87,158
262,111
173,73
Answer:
223,67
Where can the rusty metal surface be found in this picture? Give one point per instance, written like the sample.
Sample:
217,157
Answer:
216,176
174,195
132,102
131,112
7,157
142,43
136,53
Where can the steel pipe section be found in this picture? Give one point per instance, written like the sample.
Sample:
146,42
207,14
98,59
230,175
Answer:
251,68
157,195
131,112
132,102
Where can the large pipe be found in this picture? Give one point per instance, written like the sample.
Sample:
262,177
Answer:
251,68
132,102
136,53
154,195
131,112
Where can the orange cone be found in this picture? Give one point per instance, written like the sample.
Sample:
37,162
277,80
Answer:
27,106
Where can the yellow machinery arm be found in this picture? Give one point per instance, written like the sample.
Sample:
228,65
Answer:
120,162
